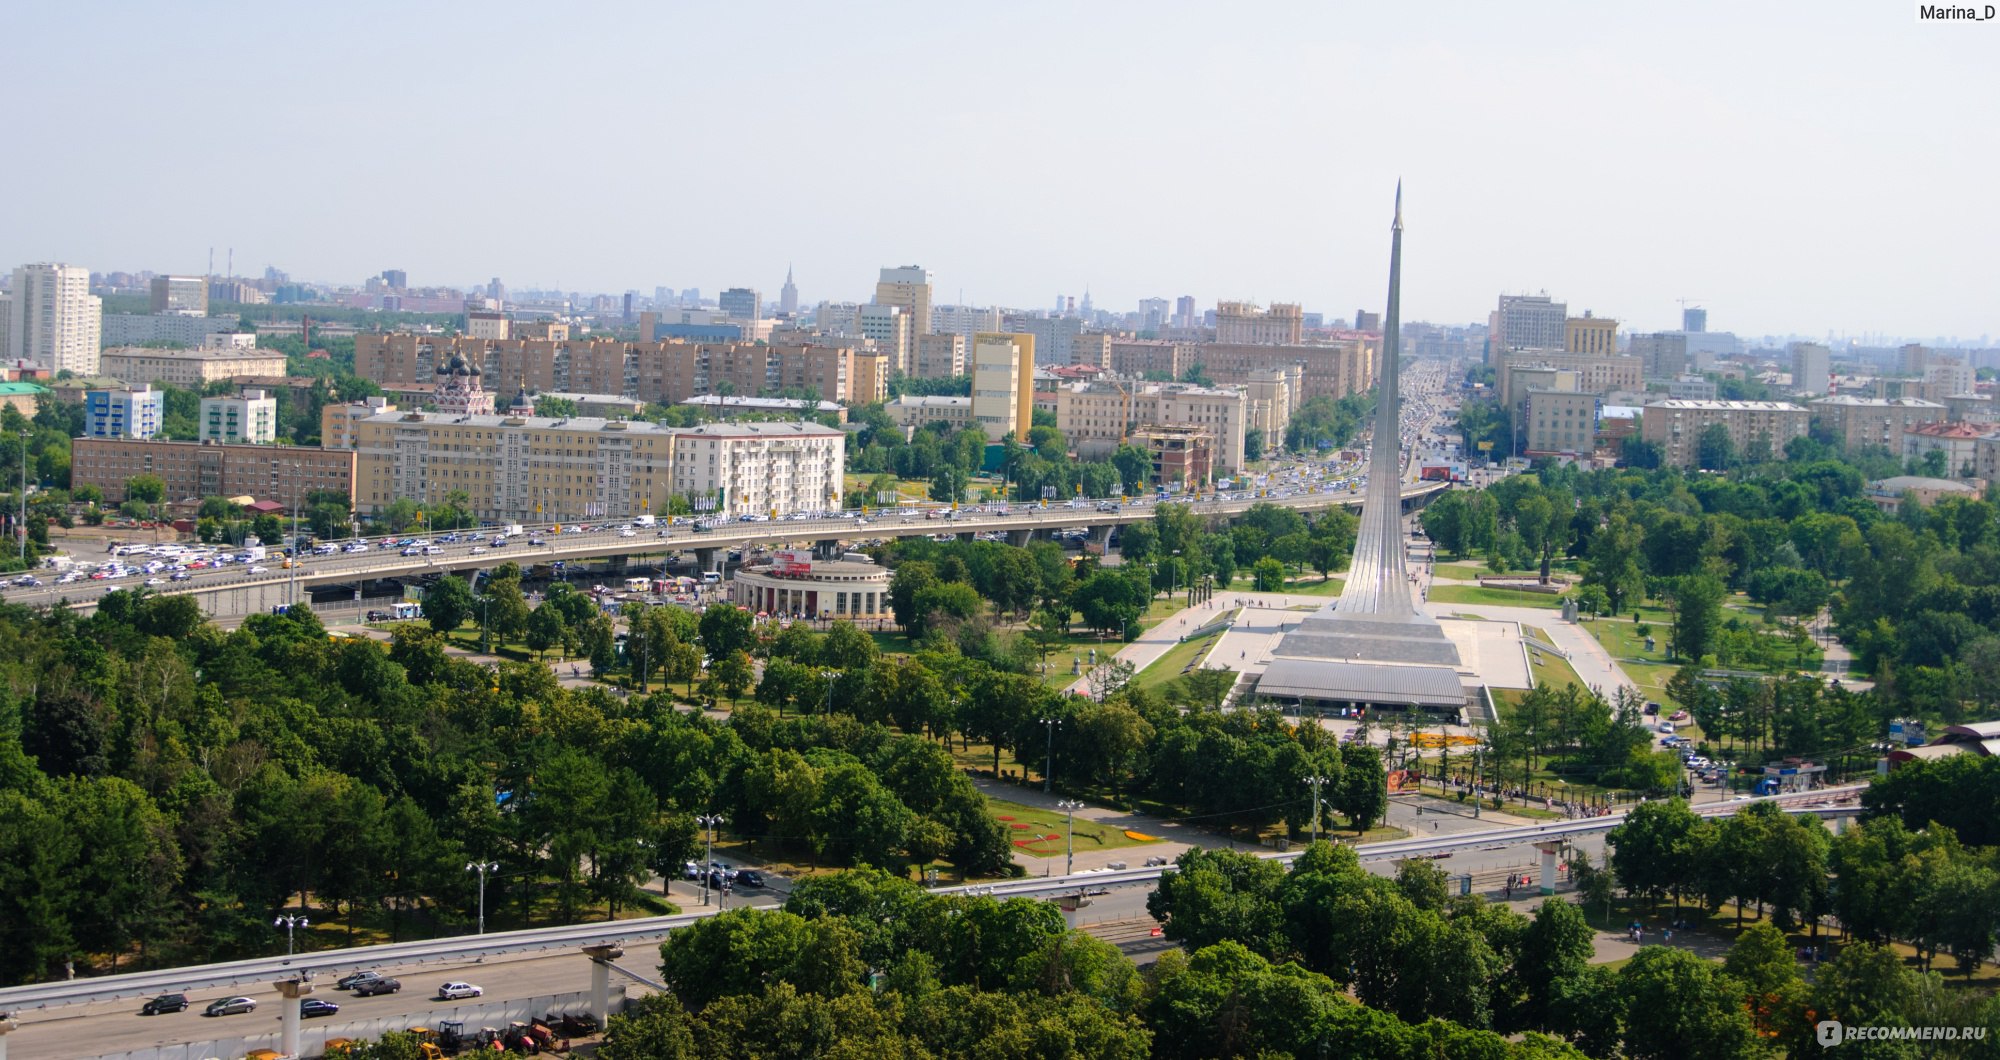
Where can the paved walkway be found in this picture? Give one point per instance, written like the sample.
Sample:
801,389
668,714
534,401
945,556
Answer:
1162,638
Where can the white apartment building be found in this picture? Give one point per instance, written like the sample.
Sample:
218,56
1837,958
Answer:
188,369
762,468
133,413
1958,441
53,319
1811,365
912,411
250,418
889,328
966,320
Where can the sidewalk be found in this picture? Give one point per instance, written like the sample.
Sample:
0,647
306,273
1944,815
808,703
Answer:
1161,639
1175,836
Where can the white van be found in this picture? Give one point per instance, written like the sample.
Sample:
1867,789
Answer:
643,520
709,577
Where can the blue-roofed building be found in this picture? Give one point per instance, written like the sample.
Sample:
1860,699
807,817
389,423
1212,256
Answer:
122,413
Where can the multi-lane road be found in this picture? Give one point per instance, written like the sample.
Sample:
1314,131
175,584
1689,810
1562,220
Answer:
239,588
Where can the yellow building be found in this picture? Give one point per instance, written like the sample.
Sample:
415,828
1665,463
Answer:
1590,334
1003,384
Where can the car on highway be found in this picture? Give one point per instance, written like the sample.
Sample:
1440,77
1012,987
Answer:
455,990
229,1006
313,1006
164,1003
354,979
479,550
260,570
413,550
379,985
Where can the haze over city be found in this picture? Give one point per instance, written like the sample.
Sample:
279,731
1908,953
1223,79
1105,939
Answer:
1791,168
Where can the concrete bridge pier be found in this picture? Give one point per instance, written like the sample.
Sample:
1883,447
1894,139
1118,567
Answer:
600,980
1549,851
293,991
7,1024
1101,537
965,535
1020,538
829,548
707,559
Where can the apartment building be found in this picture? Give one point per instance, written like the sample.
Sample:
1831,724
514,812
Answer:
1246,323
1092,350
939,356
1859,422
1335,369
1662,354
122,413
249,418
1561,421
1677,426
52,319
180,294
912,412
1003,384
1603,376
1528,322
1140,358
1589,334
187,369
194,470
523,467
1958,441
891,330
1097,416
337,420
135,329
964,321
907,288
659,372
1812,365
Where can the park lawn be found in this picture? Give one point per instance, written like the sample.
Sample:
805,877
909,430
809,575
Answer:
1536,632
1648,670
1167,668
1553,670
1474,594
1023,822
1472,572
1315,586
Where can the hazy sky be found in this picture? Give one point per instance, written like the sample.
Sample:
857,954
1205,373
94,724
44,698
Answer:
1795,167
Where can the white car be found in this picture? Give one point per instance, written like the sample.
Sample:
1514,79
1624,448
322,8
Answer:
627,533
260,570
479,550
456,990
156,581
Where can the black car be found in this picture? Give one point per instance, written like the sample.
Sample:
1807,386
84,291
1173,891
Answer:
313,1006
749,878
354,979
164,1003
381,984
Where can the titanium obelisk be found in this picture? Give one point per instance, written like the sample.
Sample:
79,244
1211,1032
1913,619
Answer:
1373,646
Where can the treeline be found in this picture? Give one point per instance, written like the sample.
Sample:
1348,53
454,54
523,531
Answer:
865,965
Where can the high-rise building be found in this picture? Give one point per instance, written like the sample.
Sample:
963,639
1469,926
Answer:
910,288
249,418
939,356
54,320
1367,321
788,295
1245,323
1862,422
124,413
1590,334
741,303
890,327
1184,311
1759,428
1152,314
1811,365
965,320
1528,322
395,279
1055,336
1003,384
1662,355
1694,318
180,294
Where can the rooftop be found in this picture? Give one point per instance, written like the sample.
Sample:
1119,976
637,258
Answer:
1952,430
1851,400
599,423
1898,483
1726,406
205,353
931,401
733,401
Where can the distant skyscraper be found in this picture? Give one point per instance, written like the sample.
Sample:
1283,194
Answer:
54,320
1184,311
1811,365
180,294
741,303
909,287
496,290
396,279
1694,318
1152,314
1529,322
788,296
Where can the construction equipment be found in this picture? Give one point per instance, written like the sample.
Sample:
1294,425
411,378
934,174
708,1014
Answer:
427,1043
520,1040
337,1047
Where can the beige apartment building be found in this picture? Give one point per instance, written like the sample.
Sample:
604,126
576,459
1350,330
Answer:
1561,421
1271,393
187,369
909,288
1097,416
1859,422
1602,376
869,377
1246,323
194,470
939,356
1676,426
337,420
533,467
1139,358
1092,349
1003,384
1591,335
1958,441
1333,369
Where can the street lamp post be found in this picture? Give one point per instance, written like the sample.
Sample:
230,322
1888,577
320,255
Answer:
1316,780
21,528
482,868
1069,808
708,821
828,676
290,923
1049,769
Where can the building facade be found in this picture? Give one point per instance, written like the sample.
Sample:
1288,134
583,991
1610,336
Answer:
1860,422
1561,421
795,583
1003,384
1812,366
1603,376
939,356
1245,323
908,288
180,294
1662,355
248,418
123,413
1677,426
1592,335
1959,442
194,470
53,320
1335,368
911,411
740,303
133,329
1529,322
337,420
1180,455
187,369
889,328
964,320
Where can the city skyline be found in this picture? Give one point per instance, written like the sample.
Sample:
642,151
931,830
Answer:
1706,160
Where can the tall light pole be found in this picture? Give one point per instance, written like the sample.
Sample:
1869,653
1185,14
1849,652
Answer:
1316,780
1049,769
482,868
290,923
21,528
1069,808
708,821
828,676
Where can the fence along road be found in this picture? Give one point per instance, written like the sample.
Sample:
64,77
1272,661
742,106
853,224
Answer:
327,964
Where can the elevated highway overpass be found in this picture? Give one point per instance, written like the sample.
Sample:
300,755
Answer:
236,590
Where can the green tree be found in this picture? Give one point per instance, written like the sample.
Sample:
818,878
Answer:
1678,1005
725,629
448,603
1267,576
546,629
